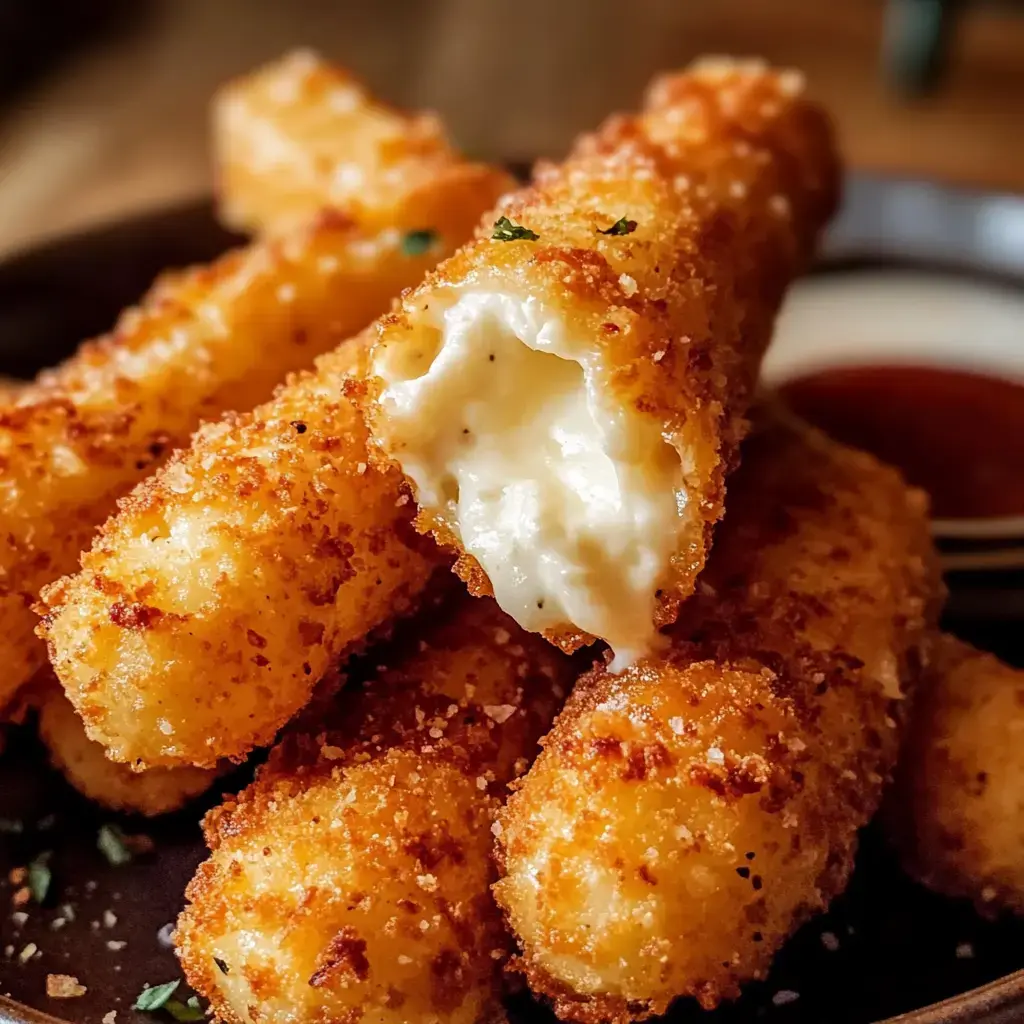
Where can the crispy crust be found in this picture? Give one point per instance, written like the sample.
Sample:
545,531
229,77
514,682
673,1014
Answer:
324,871
956,812
84,764
203,341
729,174
301,134
686,815
253,489
233,578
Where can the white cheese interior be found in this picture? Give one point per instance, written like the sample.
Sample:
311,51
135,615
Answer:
570,503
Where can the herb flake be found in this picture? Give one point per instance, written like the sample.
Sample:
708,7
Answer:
187,1011
110,841
154,998
506,231
221,965
622,226
416,243
40,876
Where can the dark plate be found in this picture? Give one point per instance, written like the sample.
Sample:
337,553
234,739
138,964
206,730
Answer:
899,947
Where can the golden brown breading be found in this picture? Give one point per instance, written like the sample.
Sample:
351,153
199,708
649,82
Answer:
214,338
621,337
84,764
956,812
301,134
351,880
233,578
686,815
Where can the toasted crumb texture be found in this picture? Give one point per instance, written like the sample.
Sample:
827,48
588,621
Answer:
300,134
231,579
350,882
956,812
722,184
203,341
85,765
687,815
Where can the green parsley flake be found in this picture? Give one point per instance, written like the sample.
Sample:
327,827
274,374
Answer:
154,998
40,876
416,243
187,1011
506,231
110,842
621,227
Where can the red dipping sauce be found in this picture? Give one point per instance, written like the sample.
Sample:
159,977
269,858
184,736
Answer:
958,435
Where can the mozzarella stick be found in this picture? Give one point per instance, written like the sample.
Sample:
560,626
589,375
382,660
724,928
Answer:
351,880
566,393
215,338
688,814
233,578
956,813
301,134
86,767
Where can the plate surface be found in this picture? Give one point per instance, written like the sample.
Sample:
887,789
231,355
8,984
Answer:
887,946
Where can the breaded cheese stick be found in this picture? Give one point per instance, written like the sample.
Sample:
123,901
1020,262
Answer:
686,815
301,134
351,880
956,812
215,338
234,577
85,765
566,393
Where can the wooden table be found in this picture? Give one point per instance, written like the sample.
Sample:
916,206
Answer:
125,126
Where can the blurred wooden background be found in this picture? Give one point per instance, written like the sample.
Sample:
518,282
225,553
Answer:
122,126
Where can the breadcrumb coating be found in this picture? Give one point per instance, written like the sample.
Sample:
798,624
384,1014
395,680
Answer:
350,882
204,341
301,134
956,812
85,765
234,577
688,814
663,247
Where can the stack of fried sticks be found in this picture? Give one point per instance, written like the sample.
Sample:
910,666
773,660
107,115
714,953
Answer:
286,567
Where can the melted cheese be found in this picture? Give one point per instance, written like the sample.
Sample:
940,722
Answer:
569,502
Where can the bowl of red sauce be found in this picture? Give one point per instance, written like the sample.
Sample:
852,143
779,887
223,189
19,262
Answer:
909,343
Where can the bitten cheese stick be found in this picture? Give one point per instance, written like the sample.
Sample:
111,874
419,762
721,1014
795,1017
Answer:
956,812
301,134
567,392
686,815
233,578
214,338
351,880
85,765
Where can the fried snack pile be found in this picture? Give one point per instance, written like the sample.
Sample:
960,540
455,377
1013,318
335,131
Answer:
301,134
566,394
351,880
210,339
686,815
114,786
956,812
